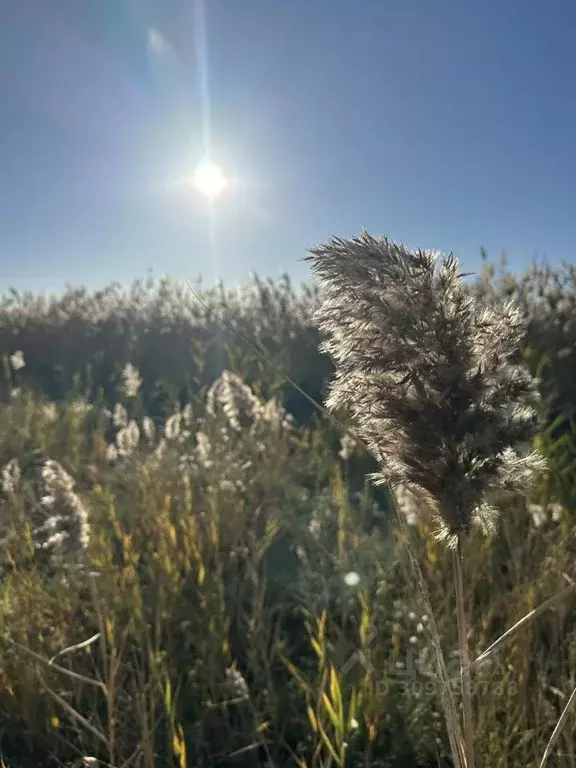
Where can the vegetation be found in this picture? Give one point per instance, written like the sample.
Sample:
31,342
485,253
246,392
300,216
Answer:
195,570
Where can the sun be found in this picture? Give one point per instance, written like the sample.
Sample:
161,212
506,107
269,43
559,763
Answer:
209,180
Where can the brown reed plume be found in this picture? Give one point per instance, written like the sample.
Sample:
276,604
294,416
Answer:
428,374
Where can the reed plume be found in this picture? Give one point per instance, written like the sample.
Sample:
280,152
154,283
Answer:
428,374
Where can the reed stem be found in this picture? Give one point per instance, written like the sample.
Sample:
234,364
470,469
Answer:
465,674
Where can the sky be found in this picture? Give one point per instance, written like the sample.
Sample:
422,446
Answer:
445,124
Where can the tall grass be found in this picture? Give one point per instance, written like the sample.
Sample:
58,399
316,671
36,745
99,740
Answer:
245,598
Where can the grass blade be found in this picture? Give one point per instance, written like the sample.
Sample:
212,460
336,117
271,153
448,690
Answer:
558,729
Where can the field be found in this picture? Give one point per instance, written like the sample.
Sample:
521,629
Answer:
196,569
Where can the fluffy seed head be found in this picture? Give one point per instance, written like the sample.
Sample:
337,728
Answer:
236,399
10,476
128,438
66,532
149,428
131,380
427,373
120,416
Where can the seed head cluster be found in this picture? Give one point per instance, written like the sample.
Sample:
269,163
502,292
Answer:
128,438
66,532
10,476
242,408
427,372
131,380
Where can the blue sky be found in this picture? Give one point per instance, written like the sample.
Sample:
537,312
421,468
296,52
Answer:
443,123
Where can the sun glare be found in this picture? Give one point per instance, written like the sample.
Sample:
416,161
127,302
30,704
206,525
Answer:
209,180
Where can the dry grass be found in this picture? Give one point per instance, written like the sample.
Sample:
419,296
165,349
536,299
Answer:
244,607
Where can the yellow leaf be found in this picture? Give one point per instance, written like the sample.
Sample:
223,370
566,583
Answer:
329,745
331,713
54,722
312,718
317,648
336,694
168,696
322,624
179,746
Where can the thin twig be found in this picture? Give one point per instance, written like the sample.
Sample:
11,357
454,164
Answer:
77,716
57,667
524,620
76,647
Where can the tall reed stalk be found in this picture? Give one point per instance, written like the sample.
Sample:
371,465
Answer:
465,676
427,374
